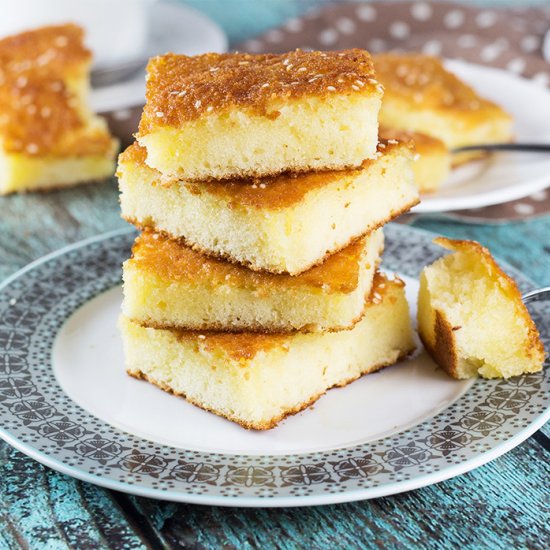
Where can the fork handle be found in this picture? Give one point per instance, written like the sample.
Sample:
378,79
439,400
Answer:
534,295
525,147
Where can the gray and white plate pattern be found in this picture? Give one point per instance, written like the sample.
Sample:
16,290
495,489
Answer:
40,419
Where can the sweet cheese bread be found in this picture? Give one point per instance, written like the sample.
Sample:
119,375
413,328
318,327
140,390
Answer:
422,96
169,285
432,160
48,135
471,318
285,224
258,379
227,116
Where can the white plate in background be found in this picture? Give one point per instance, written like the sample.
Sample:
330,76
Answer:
505,176
173,28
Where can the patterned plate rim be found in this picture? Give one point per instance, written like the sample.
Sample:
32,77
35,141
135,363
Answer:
37,418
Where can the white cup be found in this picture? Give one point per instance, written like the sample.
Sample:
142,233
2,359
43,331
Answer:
116,30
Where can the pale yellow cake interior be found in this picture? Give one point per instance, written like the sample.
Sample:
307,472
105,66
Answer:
471,316
258,379
431,161
421,95
19,172
167,284
307,134
262,227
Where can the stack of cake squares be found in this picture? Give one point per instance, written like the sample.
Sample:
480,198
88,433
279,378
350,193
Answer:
260,187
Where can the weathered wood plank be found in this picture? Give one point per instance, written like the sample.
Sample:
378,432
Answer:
40,508
503,504
35,224
498,503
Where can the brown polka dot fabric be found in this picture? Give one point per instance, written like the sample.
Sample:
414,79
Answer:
510,39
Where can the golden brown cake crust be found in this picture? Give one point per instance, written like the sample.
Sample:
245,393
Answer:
423,81
244,346
149,225
53,49
534,346
267,425
271,193
443,348
182,88
38,113
174,261
417,141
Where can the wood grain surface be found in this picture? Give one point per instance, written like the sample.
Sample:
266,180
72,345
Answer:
502,505
491,507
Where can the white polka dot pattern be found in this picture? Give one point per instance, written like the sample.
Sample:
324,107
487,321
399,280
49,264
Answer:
540,196
511,39
453,19
274,36
294,25
486,19
508,38
327,37
421,11
376,45
345,25
399,30
366,13
432,47
529,43
516,65
523,208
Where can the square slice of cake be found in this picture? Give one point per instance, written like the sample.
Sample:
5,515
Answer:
48,135
258,379
169,285
227,116
432,159
285,224
422,96
471,317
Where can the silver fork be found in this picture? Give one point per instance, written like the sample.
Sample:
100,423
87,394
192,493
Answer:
524,147
535,295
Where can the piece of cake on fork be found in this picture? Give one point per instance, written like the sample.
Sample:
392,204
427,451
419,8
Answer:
227,116
48,135
471,317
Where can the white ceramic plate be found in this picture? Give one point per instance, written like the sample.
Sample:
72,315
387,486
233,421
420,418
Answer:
173,28
66,401
501,177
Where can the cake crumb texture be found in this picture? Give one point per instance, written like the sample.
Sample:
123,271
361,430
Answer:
471,317
257,380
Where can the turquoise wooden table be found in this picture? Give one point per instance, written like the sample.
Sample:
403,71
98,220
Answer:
503,504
